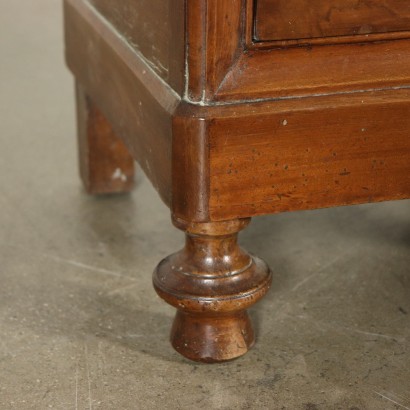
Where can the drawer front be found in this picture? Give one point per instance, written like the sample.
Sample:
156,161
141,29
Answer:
309,19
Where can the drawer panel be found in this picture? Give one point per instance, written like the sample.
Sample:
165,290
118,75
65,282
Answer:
307,19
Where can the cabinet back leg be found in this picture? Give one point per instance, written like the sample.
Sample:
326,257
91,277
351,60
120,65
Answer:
106,166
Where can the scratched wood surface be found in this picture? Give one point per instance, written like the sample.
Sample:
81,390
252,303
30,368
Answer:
343,150
106,165
155,28
135,101
298,19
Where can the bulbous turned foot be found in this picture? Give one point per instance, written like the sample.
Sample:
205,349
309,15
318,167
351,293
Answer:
212,281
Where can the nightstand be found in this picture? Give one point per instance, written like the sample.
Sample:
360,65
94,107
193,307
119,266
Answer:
233,109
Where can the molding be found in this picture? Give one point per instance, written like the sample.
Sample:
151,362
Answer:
214,42
300,71
225,64
251,159
190,166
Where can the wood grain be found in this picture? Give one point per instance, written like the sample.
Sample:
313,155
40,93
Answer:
303,71
301,19
138,105
214,40
310,153
212,281
155,28
190,166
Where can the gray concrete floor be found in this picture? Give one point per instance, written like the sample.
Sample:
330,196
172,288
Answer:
80,325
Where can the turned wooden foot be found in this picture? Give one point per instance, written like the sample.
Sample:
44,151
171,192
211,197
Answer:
212,281
106,166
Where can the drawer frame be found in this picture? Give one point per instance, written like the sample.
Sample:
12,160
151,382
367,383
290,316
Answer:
239,68
253,42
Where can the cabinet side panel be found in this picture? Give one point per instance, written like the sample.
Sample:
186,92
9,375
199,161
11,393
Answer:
153,27
135,102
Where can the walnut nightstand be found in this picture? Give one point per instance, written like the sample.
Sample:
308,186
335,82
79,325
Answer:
238,108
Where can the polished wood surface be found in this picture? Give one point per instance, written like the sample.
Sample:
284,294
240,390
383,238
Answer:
106,166
306,71
343,150
212,281
209,58
294,154
256,127
301,19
